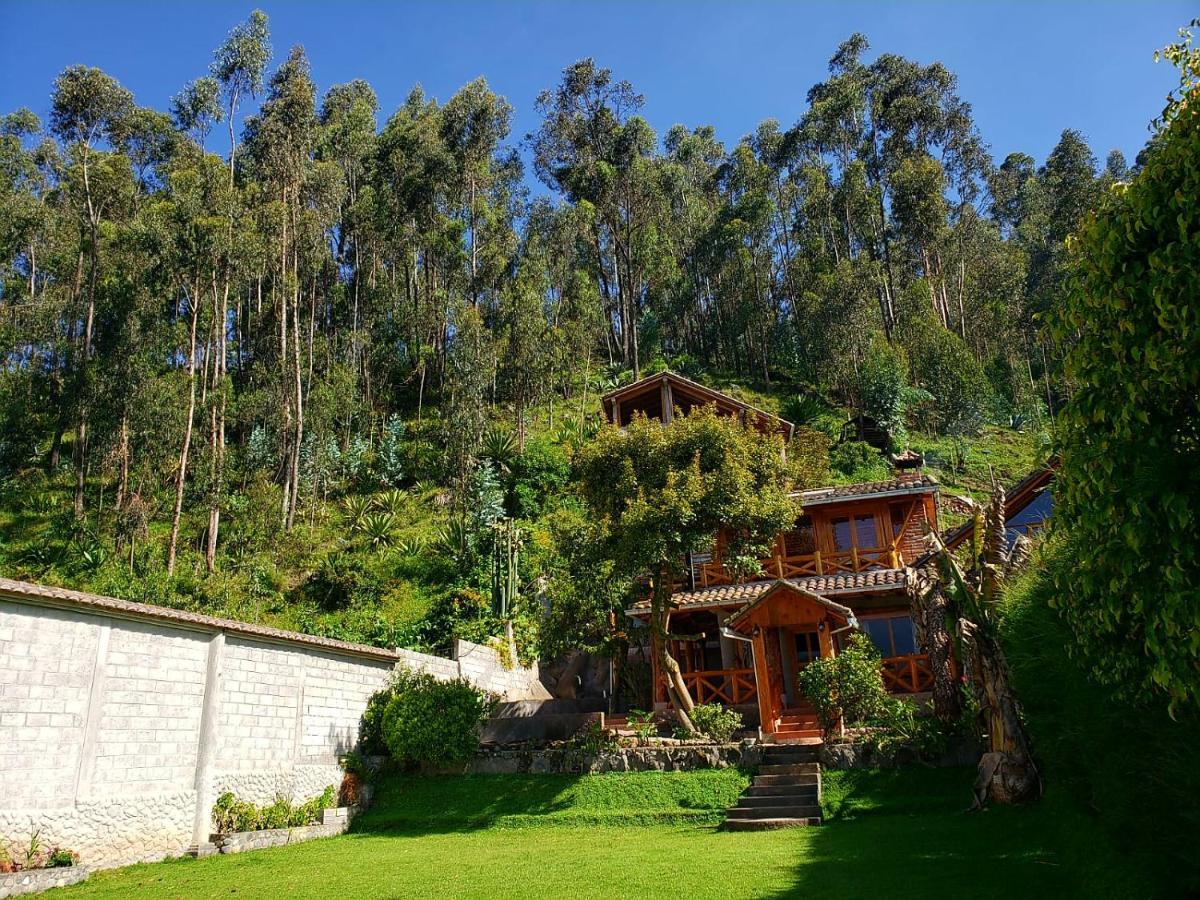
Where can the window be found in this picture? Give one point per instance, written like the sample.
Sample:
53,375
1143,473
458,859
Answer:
898,512
892,635
801,540
808,647
857,531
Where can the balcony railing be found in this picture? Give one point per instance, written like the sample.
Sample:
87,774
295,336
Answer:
728,686
838,562
909,674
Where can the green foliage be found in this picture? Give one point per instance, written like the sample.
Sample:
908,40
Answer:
1121,761
715,721
1128,492
389,458
428,722
661,493
231,815
882,383
849,684
642,724
858,461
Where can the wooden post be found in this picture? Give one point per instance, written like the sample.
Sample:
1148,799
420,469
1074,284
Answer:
668,409
766,714
616,413
817,558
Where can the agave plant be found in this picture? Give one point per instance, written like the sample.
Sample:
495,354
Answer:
391,502
412,546
499,446
378,529
455,539
355,509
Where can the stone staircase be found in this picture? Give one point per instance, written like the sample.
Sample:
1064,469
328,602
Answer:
785,792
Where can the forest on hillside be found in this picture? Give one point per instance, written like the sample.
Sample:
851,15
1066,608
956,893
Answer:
301,380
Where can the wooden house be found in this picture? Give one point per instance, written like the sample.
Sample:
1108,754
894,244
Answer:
839,568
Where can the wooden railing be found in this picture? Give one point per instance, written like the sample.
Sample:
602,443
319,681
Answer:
907,674
838,562
729,686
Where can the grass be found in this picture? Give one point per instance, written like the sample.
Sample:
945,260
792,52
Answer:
902,834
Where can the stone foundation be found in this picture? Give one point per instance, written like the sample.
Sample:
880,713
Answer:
34,881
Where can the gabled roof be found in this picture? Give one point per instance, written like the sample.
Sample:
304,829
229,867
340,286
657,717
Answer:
1016,498
706,394
892,487
733,595
793,587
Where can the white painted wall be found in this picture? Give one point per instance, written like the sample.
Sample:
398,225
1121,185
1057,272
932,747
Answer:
118,731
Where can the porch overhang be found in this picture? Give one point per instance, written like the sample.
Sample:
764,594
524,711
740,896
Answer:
786,603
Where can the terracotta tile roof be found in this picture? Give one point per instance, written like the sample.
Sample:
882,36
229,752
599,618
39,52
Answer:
738,594
56,596
903,484
845,612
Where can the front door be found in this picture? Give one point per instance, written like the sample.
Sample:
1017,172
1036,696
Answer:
808,648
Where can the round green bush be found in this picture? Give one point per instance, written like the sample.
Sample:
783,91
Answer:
427,722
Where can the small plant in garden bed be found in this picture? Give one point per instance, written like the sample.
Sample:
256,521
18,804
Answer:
642,724
231,815
593,737
427,722
716,722
35,856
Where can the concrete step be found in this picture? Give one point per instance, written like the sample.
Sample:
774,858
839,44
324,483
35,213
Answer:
770,824
776,758
777,780
778,811
789,768
757,791
804,797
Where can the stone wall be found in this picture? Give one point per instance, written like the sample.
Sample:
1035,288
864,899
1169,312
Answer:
122,723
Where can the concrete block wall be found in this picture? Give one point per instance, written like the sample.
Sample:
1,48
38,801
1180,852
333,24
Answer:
120,723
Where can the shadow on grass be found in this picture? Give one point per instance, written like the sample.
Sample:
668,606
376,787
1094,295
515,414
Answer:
425,804
417,804
906,833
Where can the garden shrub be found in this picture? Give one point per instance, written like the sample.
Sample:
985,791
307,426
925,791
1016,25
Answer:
433,723
849,684
231,815
715,721
857,461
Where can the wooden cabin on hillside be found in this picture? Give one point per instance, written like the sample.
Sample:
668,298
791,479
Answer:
839,568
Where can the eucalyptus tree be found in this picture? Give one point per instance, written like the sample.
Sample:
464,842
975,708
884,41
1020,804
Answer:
88,108
280,143
594,148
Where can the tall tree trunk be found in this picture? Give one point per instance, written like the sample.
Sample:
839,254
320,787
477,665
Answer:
181,478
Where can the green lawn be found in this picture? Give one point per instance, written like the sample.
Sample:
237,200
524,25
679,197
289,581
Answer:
896,834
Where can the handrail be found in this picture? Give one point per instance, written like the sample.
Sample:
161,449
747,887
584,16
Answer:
729,686
803,565
908,674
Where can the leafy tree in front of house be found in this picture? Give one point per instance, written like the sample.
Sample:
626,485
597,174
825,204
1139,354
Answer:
1128,492
662,492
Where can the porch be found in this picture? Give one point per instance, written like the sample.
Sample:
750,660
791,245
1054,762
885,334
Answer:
733,654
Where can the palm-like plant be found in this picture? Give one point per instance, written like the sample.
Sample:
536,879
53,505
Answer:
942,594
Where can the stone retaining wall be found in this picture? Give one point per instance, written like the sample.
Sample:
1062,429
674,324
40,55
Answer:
573,761
16,884
334,822
121,723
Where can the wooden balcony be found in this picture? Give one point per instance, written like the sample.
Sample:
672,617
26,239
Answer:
730,687
907,674
711,574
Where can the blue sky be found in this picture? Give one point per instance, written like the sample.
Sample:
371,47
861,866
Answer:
1028,69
